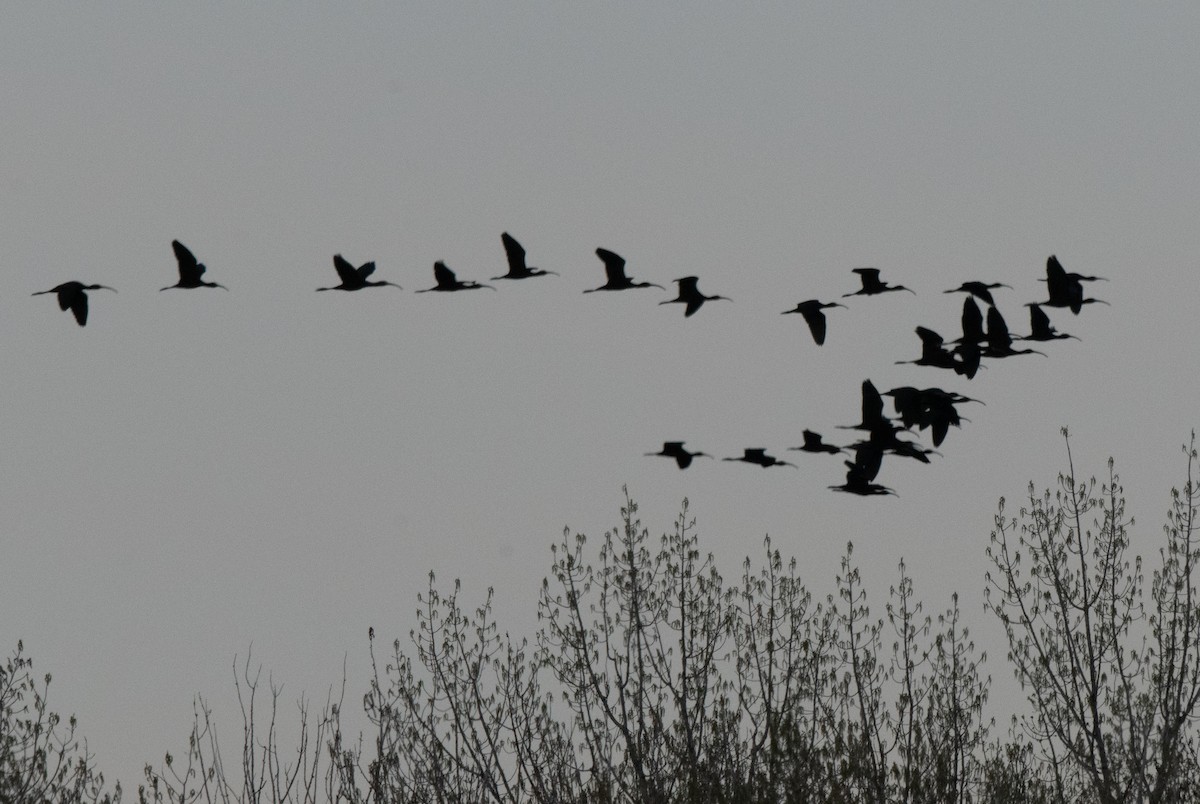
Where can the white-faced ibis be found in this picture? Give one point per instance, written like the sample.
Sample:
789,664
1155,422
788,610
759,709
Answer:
964,360
999,342
1040,328
675,450
759,457
614,269
929,408
517,269
813,312
689,294
861,472
73,296
813,443
447,281
1066,289
355,278
980,290
190,271
872,285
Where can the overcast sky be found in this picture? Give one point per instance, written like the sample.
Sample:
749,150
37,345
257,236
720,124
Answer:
196,471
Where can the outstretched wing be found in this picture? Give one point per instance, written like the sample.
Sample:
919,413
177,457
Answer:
78,304
366,269
816,325
516,254
614,264
443,275
347,272
189,269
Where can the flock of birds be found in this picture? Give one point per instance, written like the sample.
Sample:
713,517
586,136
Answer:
931,409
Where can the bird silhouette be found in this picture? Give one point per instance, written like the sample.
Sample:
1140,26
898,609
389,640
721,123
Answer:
759,457
964,360
190,271
614,269
980,290
689,294
813,312
674,449
73,296
928,408
813,443
999,342
1066,289
355,278
862,471
1040,328
872,285
447,281
972,323
516,261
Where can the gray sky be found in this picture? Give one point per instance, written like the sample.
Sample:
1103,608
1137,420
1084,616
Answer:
197,471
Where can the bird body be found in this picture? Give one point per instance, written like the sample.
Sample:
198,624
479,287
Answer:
190,270
1040,328
675,450
979,290
813,443
355,278
517,269
614,270
73,296
1066,289
814,315
872,285
759,457
861,473
999,342
447,281
689,294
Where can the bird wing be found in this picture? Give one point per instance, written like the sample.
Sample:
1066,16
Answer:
929,338
516,254
78,303
816,325
614,265
189,268
872,405
972,321
443,275
366,269
997,334
1039,322
347,272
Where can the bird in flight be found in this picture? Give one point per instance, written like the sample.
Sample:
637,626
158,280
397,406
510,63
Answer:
813,312
1066,289
614,269
516,261
690,295
872,285
861,473
759,457
355,278
813,443
1040,328
674,449
979,290
73,296
190,271
447,281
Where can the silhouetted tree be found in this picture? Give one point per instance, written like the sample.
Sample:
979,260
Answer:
1110,704
41,757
